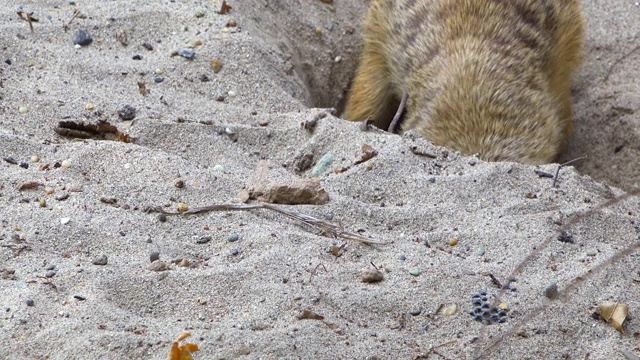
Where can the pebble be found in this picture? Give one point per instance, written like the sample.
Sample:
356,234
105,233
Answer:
200,12
232,94
158,265
233,237
34,159
48,190
50,274
179,183
158,79
127,112
24,165
415,311
370,275
82,38
66,164
592,253
235,252
218,168
453,242
30,302
216,65
188,54
182,207
551,291
402,257
451,310
203,240
100,260
136,57
322,164
79,297
414,271
154,255
65,220
147,46
162,218
23,109
481,250
50,267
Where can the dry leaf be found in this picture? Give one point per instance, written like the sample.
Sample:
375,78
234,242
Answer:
614,314
224,8
182,352
309,315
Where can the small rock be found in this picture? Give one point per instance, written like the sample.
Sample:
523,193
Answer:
154,255
137,57
216,65
23,109
592,252
65,220
414,271
203,240
65,164
24,165
179,183
30,302
233,237
158,79
481,250
188,54
415,311
127,112
402,257
80,37
79,297
162,218
50,274
218,168
50,267
551,291
100,260
370,275
158,265
235,252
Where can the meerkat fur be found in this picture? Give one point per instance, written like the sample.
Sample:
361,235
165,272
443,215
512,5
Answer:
487,77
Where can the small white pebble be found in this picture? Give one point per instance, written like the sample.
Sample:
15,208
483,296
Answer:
34,159
158,71
77,46
88,106
228,131
337,59
65,220
23,109
66,164
232,94
127,166
48,190
219,168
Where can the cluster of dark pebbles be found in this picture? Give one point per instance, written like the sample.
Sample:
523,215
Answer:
484,312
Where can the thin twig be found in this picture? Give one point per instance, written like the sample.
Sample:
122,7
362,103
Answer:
555,178
326,228
396,118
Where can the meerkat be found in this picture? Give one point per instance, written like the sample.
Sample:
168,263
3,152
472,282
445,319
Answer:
486,77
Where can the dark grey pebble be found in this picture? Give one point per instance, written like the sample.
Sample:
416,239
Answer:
204,78
50,267
551,291
10,160
30,302
402,257
79,297
62,196
187,53
100,260
235,252
154,255
147,46
203,240
127,112
162,218
24,165
415,311
80,37
233,237
220,98
158,79
50,274
137,57
8,61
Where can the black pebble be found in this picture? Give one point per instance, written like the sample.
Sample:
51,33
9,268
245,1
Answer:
24,165
158,79
137,57
80,37
147,46
127,112
30,302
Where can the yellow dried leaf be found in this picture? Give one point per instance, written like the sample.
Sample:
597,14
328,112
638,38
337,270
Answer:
182,352
614,314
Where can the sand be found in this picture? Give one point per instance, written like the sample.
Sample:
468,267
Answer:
201,137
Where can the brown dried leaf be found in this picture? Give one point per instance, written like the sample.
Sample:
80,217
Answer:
614,314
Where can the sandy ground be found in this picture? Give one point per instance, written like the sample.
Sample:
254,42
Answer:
252,274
